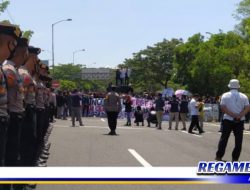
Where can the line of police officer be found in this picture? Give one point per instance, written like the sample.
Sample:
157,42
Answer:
24,102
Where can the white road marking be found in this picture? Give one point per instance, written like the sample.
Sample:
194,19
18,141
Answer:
103,120
139,158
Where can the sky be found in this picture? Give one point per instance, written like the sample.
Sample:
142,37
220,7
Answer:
112,30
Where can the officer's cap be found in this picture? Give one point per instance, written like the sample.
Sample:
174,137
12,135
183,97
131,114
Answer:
22,42
34,50
10,29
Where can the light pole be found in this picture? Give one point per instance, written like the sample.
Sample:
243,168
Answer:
75,53
53,55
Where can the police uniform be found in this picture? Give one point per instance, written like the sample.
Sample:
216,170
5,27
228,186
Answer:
112,106
14,32
40,111
16,111
28,137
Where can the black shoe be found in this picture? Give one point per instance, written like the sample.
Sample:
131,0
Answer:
218,159
191,132
201,132
81,125
112,133
183,129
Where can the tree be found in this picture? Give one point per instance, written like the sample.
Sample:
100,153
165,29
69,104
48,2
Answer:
3,6
243,10
67,72
152,67
67,85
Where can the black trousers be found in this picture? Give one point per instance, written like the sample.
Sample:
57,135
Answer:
29,137
112,120
85,108
13,146
126,80
40,120
228,127
194,122
3,138
51,112
46,120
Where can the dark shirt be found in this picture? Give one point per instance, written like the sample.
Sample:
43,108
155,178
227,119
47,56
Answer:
85,100
59,100
159,104
138,116
128,106
174,106
184,106
76,99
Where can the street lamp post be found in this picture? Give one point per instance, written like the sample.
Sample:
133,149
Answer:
75,53
53,54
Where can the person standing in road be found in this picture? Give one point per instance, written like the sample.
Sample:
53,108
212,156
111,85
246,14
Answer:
112,106
235,106
159,108
183,111
128,109
174,112
201,112
76,100
194,114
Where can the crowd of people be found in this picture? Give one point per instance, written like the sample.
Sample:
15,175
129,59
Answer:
233,104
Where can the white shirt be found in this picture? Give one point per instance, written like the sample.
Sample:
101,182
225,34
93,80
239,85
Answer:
193,108
235,102
122,73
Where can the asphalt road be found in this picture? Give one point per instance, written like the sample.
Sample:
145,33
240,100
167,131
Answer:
90,146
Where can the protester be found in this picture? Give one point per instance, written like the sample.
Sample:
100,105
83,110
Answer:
159,108
152,117
139,116
194,115
174,112
183,111
128,109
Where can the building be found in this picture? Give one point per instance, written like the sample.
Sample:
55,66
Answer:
96,73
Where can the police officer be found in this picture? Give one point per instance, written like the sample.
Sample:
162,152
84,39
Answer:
28,137
46,80
112,106
40,111
8,40
235,106
15,101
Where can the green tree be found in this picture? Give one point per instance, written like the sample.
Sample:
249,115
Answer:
243,10
67,85
3,6
67,72
152,68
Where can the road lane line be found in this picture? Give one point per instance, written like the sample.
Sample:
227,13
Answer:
139,158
